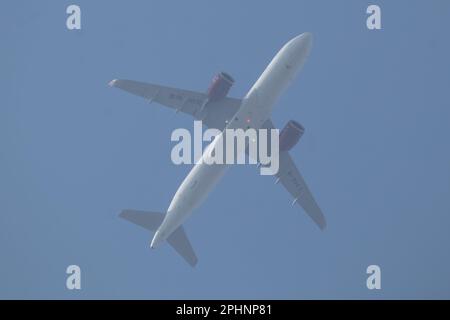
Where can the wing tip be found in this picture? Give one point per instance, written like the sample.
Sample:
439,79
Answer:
123,213
319,219
323,225
113,82
315,214
193,263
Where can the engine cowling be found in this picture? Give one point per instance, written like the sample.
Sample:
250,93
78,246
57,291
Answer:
220,86
290,135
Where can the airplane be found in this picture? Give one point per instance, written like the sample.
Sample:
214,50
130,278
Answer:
217,110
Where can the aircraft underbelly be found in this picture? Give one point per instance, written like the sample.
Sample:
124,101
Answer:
255,109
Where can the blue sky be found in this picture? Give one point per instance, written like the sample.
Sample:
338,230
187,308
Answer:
75,152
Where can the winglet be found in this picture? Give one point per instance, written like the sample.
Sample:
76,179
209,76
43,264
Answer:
112,83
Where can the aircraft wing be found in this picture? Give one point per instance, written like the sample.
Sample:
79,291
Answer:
293,182
213,114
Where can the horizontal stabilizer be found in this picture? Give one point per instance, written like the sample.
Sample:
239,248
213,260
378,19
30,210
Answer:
152,220
180,242
146,219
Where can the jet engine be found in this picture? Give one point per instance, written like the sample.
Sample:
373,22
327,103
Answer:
220,86
290,135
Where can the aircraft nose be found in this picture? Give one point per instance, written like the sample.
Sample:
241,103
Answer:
308,39
307,36
298,49
303,42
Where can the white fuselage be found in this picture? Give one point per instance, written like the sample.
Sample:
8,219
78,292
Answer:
255,110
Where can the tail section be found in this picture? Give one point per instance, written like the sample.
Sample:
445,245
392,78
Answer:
180,242
152,220
146,219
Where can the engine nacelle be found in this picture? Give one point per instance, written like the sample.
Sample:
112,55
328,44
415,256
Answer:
220,86
290,135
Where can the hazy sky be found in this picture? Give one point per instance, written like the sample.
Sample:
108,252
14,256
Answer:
75,152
